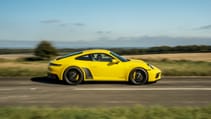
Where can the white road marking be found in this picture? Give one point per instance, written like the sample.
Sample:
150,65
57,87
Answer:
5,89
14,97
131,89
11,89
33,88
123,89
118,101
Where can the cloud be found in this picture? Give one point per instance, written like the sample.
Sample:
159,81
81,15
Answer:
63,24
103,32
205,27
50,21
79,24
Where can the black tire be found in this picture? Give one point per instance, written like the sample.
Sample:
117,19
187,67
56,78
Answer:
73,76
138,76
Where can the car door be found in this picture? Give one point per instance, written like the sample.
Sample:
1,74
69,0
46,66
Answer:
102,68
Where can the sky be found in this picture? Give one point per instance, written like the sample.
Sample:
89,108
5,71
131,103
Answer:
91,20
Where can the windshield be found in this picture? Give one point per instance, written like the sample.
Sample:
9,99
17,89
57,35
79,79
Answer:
119,57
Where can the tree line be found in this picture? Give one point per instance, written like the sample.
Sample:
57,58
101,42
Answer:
163,49
46,49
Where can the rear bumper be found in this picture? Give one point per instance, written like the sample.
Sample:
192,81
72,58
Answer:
55,72
52,76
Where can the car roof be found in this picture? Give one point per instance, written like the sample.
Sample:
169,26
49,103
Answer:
96,51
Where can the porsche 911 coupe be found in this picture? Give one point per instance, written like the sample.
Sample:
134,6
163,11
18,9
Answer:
101,65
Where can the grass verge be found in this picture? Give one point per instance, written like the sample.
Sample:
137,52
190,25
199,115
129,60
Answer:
23,68
135,112
182,67
17,71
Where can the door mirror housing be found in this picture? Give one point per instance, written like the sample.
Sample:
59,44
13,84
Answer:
114,61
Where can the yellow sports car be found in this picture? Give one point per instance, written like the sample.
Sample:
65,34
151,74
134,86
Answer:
101,65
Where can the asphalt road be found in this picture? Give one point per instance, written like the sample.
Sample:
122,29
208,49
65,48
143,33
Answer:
40,91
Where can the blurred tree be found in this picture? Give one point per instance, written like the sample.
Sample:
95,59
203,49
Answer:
45,50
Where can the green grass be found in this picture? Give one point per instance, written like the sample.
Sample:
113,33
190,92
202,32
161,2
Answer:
18,71
183,67
23,68
3,60
135,112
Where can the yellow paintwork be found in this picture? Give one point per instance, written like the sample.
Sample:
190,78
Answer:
101,71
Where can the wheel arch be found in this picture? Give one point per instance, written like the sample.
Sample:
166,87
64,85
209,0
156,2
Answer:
134,68
71,67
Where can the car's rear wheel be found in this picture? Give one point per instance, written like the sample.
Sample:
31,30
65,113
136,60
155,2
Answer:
73,75
138,76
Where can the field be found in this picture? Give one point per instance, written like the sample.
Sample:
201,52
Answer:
193,64
183,64
180,64
206,57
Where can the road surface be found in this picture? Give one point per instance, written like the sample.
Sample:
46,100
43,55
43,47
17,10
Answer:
40,91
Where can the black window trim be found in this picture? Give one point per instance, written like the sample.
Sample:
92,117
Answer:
92,57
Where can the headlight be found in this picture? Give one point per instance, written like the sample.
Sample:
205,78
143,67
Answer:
53,64
151,66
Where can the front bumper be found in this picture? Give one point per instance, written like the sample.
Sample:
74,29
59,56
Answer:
154,75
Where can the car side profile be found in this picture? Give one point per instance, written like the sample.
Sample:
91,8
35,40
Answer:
101,65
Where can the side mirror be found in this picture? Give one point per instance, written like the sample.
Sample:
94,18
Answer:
114,61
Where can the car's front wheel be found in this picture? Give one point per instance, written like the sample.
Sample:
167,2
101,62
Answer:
73,75
138,76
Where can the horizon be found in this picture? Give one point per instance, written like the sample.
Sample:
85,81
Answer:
107,20
141,42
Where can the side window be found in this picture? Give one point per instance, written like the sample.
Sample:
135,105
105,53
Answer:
85,57
96,57
102,57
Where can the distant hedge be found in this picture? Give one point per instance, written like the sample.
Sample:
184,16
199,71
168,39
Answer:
163,49
15,51
128,51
